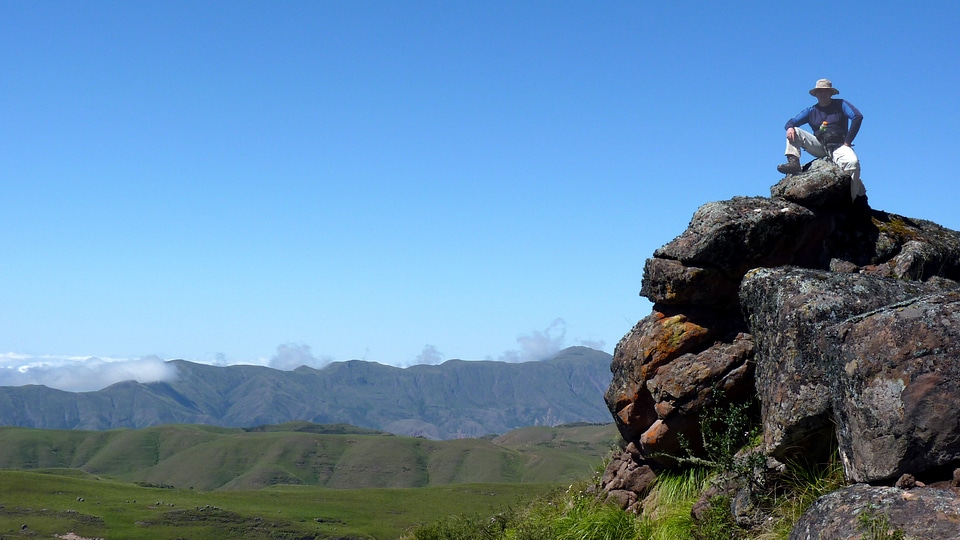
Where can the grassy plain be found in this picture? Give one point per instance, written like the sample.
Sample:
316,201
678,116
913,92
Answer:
294,481
213,458
55,502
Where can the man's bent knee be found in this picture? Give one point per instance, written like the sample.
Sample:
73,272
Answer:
846,159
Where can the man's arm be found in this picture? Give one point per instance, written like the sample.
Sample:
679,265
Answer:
799,119
855,119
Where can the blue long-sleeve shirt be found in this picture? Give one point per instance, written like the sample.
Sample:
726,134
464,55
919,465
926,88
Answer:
838,114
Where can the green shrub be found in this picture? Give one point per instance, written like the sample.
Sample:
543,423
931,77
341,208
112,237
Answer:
725,431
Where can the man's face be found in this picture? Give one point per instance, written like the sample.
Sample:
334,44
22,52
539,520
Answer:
823,95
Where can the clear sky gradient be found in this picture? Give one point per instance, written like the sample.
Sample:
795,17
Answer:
299,182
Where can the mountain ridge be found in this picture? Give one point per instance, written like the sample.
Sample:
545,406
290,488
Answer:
455,399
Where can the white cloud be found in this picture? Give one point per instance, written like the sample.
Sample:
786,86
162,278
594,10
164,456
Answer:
81,374
429,355
290,357
220,360
539,345
91,373
597,344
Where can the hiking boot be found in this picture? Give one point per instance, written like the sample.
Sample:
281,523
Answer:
792,166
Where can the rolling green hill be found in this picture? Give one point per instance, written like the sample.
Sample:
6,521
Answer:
215,458
41,504
452,400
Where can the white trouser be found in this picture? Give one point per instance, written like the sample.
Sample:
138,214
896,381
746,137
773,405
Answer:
844,157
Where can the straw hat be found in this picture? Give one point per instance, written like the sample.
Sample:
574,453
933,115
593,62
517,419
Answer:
824,84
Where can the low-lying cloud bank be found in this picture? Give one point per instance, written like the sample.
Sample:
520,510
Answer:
81,374
292,356
539,345
89,374
533,347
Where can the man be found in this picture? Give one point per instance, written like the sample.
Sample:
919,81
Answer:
835,123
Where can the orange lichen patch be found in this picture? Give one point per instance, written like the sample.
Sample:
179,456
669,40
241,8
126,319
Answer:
668,337
662,439
625,413
636,415
653,437
664,409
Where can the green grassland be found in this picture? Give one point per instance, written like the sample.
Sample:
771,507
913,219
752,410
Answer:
213,458
59,501
291,481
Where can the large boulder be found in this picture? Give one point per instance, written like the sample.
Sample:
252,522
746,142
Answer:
898,389
799,376
859,510
742,233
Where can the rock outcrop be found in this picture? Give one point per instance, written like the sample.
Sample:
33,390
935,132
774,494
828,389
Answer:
856,511
875,361
842,321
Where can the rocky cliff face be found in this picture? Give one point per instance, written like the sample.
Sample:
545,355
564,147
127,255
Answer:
841,321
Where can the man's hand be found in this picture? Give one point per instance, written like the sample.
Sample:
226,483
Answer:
791,134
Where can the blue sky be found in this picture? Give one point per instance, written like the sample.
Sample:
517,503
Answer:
402,182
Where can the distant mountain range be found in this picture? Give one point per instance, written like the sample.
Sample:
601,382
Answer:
451,400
